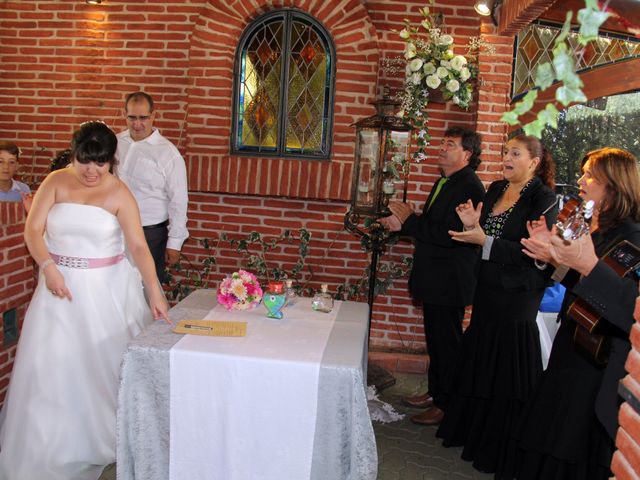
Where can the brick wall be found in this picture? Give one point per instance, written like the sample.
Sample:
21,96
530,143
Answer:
65,62
16,278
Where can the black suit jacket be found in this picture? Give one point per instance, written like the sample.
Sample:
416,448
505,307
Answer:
614,298
507,267
444,271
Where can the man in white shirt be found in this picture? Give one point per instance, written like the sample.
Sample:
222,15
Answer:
154,170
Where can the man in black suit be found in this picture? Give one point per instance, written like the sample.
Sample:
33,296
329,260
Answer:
443,277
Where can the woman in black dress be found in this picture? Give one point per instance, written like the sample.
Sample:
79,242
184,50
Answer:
500,359
571,419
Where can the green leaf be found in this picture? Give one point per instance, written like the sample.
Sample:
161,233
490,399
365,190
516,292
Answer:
549,115
534,128
526,104
563,62
545,75
510,117
566,95
566,28
590,20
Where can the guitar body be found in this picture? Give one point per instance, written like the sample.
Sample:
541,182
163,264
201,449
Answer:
623,258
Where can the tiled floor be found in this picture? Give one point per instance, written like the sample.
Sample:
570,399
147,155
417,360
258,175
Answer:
405,451
412,452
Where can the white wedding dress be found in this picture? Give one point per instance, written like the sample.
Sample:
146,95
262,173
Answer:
59,416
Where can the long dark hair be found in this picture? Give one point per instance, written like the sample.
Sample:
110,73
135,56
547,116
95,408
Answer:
94,142
618,170
546,169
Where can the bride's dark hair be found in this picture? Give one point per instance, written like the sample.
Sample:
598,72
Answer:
94,142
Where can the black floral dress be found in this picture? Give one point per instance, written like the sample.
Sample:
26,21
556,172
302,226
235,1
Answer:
500,359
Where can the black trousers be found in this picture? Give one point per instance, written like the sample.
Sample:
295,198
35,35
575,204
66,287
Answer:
443,329
157,240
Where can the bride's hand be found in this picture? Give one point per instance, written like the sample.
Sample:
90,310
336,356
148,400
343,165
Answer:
55,282
159,306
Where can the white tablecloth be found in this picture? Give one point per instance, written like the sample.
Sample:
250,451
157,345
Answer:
245,407
343,445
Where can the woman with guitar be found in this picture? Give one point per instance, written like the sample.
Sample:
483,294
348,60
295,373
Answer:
570,421
500,359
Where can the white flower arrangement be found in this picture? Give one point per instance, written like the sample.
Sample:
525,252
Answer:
431,64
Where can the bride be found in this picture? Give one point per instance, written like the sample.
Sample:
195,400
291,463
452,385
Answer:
59,417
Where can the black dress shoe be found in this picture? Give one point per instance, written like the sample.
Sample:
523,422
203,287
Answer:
419,401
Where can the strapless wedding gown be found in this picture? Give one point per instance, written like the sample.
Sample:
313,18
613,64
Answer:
59,417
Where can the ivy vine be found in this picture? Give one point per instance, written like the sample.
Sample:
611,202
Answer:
562,68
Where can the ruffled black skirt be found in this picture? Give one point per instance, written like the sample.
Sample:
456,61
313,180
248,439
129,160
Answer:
560,436
497,369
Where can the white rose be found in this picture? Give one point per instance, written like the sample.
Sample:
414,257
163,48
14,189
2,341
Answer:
429,68
455,99
407,70
404,34
410,51
458,62
445,40
433,81
416,64
453,86
465,74
416,78
445,64
442,72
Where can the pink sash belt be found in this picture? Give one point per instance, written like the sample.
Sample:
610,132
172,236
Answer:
79,262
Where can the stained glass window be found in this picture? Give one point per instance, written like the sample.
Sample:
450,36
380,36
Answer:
284,87
534,45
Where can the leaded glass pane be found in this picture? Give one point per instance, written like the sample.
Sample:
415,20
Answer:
535,44
284,87
260,87
307,95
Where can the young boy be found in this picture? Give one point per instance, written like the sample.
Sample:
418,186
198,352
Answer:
10,190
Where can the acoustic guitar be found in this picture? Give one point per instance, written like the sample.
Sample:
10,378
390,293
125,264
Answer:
623,257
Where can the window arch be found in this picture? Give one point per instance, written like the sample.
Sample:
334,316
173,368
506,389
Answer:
283,87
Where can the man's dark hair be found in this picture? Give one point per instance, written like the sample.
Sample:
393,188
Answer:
138,96
471,142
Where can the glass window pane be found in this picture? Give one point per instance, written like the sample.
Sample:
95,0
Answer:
260,81
535,43
307,95
284,87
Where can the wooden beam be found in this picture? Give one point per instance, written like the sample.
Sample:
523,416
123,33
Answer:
599,82
517,14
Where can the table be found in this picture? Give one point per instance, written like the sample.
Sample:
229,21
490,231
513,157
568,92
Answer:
344,444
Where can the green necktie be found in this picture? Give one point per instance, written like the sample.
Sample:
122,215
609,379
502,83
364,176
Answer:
439,185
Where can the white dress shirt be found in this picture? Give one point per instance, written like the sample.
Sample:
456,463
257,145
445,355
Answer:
156,173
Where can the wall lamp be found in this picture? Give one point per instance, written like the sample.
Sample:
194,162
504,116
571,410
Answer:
93,2
488,7
483,7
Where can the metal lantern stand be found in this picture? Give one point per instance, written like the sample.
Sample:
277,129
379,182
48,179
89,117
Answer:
381,172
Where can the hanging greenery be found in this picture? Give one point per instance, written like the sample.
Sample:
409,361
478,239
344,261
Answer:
561,68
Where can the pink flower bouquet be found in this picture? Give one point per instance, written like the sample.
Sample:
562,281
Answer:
240,291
